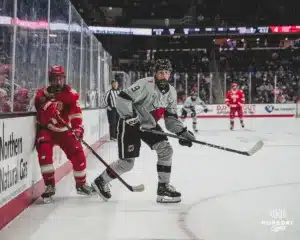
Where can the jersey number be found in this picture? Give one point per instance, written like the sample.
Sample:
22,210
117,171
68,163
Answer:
135,88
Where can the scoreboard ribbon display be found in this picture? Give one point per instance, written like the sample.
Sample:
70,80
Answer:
208,31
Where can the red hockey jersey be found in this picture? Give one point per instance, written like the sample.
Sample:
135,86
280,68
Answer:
64,103
235,98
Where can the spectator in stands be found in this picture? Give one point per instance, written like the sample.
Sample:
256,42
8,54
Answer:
21,100
3,80
5,104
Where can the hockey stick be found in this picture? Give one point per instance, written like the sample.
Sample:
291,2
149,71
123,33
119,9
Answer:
138,188
253,150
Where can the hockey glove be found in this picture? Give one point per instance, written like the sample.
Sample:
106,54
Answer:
193,114
78,132
205,110
188,135
132,121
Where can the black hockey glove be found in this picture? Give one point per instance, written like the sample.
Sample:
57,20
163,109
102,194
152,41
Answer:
193,114
205,110
188,135
192,108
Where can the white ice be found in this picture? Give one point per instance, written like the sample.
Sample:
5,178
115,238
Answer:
225,196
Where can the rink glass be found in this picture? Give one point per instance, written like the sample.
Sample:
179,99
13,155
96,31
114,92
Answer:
265,87
39,33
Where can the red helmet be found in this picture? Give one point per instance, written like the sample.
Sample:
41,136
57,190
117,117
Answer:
57,70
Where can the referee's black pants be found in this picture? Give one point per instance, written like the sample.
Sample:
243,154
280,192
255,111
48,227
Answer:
113,118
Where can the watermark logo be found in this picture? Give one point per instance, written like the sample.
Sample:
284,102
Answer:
278,221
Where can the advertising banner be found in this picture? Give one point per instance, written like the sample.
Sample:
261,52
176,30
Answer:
250,110
16,147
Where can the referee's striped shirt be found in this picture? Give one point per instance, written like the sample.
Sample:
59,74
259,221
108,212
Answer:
110,97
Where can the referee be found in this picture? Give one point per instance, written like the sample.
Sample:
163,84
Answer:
112,115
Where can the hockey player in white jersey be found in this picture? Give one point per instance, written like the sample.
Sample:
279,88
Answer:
189,106
137,107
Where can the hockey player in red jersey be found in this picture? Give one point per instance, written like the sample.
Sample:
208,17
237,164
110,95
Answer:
234,99
56,106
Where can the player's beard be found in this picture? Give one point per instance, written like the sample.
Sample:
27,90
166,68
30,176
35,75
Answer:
163,85
55,88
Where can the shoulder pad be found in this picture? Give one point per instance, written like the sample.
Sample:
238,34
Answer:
73,91
41,90
172,88
67,88
143,82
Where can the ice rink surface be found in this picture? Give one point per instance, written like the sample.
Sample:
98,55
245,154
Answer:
225,196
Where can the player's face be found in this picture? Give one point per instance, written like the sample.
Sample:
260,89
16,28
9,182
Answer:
163,75
115,85
58,81
234,87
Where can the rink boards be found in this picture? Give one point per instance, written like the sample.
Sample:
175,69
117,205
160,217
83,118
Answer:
20,177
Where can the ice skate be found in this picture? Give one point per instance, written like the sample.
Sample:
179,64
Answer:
195,127
48,194
231,125
86,190
102,188
167,194
242,124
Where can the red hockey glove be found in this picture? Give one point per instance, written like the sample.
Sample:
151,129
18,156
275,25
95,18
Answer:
78,132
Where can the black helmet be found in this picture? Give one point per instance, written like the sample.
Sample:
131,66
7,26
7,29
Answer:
163,65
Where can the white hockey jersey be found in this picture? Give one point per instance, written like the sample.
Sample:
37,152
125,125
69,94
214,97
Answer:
143,97
189,103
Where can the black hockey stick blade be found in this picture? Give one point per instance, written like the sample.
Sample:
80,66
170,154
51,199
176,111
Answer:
253,150
139,188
